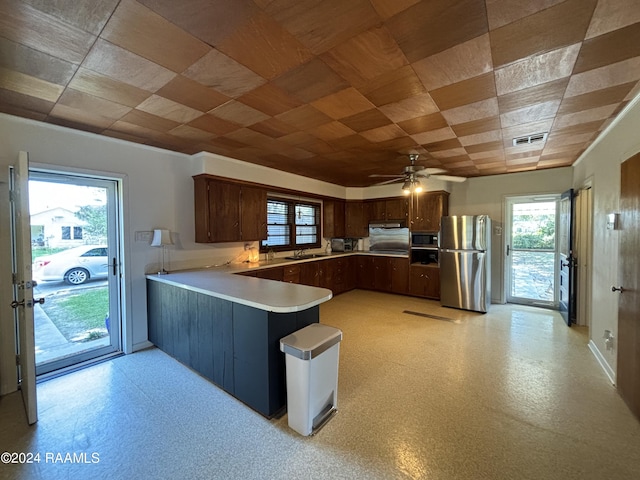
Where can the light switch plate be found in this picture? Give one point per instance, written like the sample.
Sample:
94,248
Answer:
143,236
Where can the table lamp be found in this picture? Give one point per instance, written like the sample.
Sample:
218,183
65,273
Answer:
161,238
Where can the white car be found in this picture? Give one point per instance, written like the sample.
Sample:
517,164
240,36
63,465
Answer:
75,266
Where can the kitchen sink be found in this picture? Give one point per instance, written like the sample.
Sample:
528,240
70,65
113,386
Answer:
306,256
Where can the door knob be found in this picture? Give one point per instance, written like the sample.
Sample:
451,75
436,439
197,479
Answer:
617,289
39,300
16,304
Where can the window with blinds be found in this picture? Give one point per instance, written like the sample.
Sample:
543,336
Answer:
292,225
278,223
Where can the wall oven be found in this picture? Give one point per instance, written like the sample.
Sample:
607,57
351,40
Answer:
424,247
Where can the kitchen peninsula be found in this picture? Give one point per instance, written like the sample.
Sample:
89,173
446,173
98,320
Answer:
227,328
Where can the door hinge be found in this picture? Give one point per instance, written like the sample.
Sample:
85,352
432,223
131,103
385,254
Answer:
14,278
18,360
12,196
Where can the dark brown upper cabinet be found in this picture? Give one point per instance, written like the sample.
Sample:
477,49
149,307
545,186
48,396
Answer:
333,218
228,211
357,219
427,209
388,209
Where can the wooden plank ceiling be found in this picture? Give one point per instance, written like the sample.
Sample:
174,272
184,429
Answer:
335,90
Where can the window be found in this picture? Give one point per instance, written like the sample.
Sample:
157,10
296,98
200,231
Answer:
66,233
95,252
291,224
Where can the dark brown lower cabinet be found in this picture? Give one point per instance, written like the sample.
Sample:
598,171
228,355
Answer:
386,274
310,273
381,274
365,272
424,281
399,275
233,345
275,273
250,273
291,274
326,274
351,273
370,272
339,269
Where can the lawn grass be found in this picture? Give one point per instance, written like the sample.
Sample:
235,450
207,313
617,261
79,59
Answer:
76,313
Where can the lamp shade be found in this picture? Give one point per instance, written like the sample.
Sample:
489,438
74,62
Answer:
161,238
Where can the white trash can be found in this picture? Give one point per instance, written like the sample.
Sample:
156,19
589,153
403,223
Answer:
311,359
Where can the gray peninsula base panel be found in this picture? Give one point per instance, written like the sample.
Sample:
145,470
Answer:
235,346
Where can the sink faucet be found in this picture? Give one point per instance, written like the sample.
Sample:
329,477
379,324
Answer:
299,253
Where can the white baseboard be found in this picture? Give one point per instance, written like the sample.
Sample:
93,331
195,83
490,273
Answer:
142,345
603,362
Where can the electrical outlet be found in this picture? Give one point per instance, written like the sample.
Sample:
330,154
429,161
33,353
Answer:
609,340
143,236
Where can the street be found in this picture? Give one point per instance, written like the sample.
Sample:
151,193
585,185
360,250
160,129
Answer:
43,289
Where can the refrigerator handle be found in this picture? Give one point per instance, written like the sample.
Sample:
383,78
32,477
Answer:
508,248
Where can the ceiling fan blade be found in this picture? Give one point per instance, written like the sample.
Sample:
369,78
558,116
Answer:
434,171
389,176
394,180
449,178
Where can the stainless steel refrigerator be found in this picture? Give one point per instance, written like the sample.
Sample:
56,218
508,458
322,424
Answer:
465,262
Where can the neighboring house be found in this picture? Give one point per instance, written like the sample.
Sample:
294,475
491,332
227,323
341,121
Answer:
57,227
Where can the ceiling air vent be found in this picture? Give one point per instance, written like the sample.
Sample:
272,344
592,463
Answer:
529,139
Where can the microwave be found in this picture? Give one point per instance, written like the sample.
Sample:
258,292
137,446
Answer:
424,240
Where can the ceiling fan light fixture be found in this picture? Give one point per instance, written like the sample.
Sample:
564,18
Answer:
406,187
417,186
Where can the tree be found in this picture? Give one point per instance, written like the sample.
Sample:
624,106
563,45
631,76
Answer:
95,231
536,232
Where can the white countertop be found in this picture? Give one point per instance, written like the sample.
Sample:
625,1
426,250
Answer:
269,295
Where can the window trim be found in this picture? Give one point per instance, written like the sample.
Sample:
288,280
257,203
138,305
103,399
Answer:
291,206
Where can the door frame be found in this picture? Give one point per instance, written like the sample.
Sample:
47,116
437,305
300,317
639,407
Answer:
112,186
531,198
126,330
8,377
584,248
8,373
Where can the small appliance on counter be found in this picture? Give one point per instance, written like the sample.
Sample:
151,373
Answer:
465,262
344,244
389,237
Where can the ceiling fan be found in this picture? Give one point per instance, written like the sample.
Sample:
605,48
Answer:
412,173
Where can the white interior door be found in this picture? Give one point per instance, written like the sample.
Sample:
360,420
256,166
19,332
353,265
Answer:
23,285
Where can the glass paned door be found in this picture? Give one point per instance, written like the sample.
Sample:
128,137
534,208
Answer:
75,258
531,250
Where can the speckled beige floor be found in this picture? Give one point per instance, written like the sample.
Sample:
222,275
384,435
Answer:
513,394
